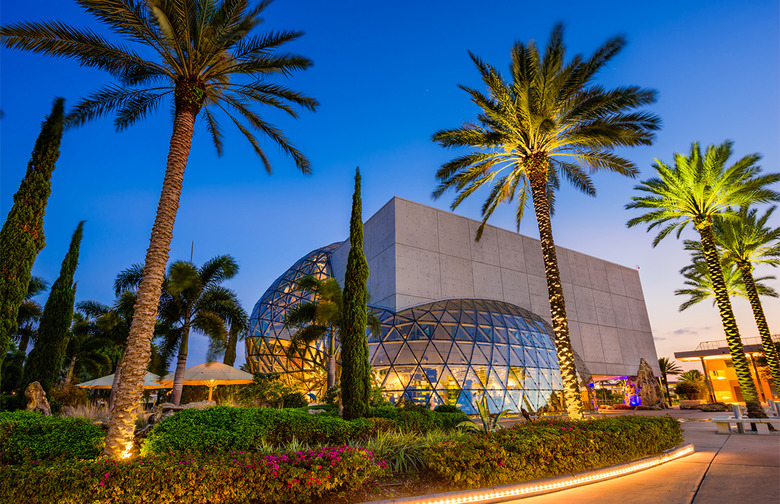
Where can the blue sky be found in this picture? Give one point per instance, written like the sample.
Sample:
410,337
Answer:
386,76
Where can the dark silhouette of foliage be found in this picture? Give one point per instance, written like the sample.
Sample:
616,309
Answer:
22,233
45,359
355,367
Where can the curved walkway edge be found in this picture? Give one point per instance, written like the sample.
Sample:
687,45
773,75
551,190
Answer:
514,491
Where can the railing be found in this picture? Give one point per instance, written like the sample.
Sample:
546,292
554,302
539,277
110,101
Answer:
712,345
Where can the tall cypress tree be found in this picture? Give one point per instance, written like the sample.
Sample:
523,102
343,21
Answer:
22,233
45,359
355,370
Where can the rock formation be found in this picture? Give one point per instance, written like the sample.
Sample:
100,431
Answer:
649,389
36,399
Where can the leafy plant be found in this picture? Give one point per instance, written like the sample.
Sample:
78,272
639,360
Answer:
292,477
27,436
489,423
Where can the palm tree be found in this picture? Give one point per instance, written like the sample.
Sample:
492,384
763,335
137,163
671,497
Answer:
206,60
317,318
698,285
668,368
193,300
746,241
89,349
699,189
548,122
322,317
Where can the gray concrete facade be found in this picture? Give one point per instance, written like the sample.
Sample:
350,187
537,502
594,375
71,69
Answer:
418,254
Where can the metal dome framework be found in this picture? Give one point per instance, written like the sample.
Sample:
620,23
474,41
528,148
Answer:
443,352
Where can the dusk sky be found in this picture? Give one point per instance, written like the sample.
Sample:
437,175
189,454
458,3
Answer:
386,80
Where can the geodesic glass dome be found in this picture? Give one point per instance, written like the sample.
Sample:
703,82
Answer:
454,351
445,352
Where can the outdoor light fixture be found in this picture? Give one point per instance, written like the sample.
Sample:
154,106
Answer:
560,483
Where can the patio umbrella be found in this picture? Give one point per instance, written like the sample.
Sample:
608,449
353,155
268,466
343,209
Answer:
210,374
105,382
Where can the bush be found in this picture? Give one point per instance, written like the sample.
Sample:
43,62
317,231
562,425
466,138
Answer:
447,408
224,428
27,436
226,478
418,419
548,448
690,389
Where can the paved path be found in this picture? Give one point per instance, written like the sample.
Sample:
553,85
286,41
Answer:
725,469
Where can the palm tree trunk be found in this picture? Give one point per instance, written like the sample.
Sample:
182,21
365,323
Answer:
332,358
230,347
571,388
69,372
770,350
181,365
115,383
119,440
741,366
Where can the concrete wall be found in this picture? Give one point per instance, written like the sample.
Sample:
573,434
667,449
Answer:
418,254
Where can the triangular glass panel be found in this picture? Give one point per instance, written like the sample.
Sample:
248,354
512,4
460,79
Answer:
484,335
476,378
443,348
499,334
418,349
392,349
483,319
498,359
431,356
405,356
478,358
380,357
392,335
467,318
443,332
457,356
448,317
461,334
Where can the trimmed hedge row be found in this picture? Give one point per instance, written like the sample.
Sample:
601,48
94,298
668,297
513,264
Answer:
27,436
548,448
223,428
192,479
418,419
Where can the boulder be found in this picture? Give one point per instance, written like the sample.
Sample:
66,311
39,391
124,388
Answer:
690,403
165,410
36,399
649,388
718,406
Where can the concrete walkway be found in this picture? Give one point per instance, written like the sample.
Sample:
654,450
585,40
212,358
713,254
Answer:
726,468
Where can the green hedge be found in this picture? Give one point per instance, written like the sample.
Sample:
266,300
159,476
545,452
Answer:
27,436
548,448
190,479
224,428
417,419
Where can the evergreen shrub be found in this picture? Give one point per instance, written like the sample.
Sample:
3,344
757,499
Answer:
27,436
225,428
295,477
548,448
418,419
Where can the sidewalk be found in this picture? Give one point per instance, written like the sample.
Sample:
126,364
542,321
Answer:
725,469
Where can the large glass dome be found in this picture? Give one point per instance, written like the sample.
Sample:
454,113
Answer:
453,351
445,352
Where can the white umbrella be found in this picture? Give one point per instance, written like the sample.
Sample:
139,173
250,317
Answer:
105,382
210,374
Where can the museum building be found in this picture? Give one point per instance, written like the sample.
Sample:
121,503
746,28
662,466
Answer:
461,318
